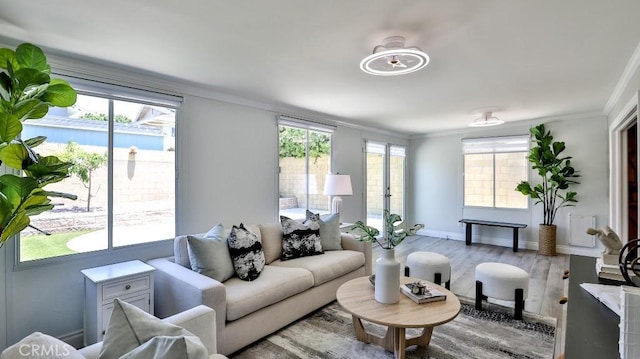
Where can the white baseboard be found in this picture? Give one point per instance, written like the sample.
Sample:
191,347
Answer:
508,242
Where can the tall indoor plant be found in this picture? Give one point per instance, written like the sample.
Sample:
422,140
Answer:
26,92
557,176
387,280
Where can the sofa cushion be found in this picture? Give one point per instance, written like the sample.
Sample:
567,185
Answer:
271,241
329,231
130,327
246,252
40,346
273,285
328,266
300,239
210,255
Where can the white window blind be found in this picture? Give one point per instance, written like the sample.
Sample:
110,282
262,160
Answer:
375,147
397,151
518,143
381,149
305,124
122,93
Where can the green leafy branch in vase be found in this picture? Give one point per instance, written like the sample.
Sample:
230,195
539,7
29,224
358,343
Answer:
395,231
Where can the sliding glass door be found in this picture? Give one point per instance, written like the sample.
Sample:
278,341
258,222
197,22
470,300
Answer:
385,181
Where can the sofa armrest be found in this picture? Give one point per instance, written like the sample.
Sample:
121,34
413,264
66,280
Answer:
178,288
350,242
200,321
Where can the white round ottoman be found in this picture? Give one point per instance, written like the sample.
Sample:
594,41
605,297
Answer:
429,266
502,281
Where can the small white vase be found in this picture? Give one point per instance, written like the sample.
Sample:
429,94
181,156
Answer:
387,287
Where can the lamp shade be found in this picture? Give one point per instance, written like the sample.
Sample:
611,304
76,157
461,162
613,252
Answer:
337,185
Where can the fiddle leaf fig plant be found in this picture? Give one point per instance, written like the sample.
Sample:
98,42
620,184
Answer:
395,233
26,92
555,171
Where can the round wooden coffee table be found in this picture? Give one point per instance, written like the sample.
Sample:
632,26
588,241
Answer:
356,297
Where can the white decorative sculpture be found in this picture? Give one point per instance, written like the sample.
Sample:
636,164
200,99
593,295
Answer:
609,238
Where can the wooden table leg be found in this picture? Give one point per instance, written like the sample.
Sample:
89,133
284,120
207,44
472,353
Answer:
387,342
361,333
400,343
421,340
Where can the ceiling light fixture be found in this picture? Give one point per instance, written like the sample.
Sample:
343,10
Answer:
486,120
392,58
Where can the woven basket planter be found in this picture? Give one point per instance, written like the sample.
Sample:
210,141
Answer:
547,239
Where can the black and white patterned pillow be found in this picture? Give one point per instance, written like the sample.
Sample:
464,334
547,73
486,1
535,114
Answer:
246,253
300,239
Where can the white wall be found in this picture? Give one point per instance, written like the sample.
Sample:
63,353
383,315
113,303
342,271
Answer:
437,185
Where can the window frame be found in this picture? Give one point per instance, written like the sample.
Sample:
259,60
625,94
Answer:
495,145
112,93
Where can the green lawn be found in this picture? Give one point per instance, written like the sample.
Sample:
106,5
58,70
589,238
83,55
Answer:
41,246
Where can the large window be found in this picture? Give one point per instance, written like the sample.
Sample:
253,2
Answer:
124,154
305,160
492,169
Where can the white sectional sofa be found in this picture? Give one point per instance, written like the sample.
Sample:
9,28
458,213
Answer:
249,310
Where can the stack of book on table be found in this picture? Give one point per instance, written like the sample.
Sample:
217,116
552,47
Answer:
607,267
431,294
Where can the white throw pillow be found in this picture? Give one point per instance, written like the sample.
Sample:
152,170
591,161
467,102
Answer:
210,255
162,347
130,328
329,231
41,346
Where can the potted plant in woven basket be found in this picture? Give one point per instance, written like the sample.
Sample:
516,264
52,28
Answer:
387,278
557,176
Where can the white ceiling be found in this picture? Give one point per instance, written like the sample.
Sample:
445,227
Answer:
526,59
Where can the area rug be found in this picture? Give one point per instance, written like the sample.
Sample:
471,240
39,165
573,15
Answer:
488,334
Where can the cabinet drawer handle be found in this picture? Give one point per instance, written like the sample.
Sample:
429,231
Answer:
127,287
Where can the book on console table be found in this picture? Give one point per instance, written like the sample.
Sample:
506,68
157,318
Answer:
609,271
431,294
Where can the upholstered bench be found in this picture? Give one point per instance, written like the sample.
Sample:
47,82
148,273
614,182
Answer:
502,281
429,266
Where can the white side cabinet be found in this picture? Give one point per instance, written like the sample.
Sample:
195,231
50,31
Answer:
131,282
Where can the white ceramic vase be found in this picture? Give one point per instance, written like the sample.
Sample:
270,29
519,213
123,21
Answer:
387,283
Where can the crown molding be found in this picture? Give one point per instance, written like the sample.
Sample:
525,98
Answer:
623,82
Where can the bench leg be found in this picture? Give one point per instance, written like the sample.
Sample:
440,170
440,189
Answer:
478,295
519,304
406,271
515,239
468,233
448,284
437,278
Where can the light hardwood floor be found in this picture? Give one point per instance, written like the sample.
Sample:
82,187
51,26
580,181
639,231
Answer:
546,285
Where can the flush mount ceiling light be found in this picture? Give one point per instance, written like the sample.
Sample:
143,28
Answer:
486,120
392,58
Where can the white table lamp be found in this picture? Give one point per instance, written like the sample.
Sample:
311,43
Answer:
336,186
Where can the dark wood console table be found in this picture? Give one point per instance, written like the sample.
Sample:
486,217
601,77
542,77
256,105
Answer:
469,222
592,329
